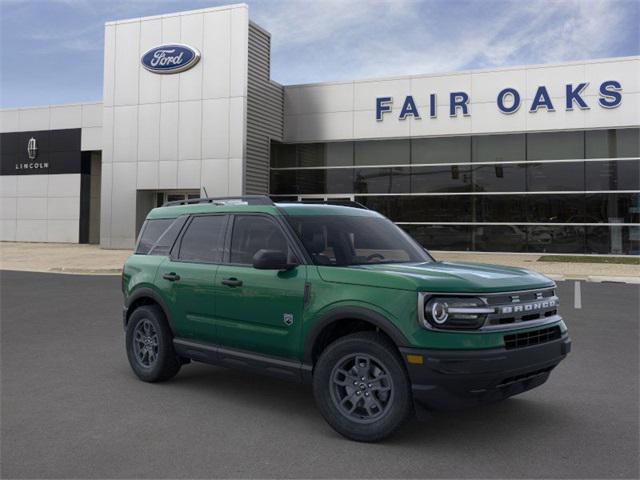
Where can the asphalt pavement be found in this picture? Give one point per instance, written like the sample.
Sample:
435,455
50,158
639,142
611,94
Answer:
72,408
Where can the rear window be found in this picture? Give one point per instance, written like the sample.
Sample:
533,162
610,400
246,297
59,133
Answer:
157,236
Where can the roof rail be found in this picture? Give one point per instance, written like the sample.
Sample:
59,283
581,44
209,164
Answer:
341,203
248,199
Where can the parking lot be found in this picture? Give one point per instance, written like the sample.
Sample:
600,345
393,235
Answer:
72,408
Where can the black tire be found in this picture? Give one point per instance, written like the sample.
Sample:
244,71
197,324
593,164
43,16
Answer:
159,360
336,387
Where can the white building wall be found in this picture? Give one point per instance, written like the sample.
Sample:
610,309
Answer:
40,208
172,131
46,208
346,110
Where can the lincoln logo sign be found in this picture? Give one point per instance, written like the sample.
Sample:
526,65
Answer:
172,58
508,101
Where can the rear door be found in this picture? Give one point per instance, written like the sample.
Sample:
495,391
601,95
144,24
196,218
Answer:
259,310
187,277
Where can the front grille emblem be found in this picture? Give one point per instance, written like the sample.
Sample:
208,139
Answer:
515,298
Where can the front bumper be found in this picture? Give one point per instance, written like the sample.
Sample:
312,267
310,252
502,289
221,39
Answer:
452,379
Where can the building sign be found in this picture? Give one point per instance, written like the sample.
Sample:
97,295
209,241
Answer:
43,152
508,101
172,58
32,148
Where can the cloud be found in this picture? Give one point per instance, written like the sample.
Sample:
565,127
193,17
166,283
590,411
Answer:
341,40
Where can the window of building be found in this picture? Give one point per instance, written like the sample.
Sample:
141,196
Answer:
203,240
440,179
613,175
252,233
440,150
613,143
560,176
568,208
382,180
382,152
555,145
499,178
613,207
499,208
499,148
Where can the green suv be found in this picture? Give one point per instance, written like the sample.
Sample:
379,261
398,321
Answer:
337,296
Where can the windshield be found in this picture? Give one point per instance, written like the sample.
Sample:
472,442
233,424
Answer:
340,240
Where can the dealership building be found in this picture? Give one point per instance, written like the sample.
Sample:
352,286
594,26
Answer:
541,158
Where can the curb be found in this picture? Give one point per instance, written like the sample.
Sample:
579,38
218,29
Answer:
93,271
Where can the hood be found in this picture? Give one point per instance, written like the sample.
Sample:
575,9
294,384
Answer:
454,277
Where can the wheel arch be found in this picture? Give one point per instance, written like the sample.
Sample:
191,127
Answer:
147,296
330,321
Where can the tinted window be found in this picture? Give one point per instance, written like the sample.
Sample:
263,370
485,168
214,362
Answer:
441,237
500,208
150,233
562,176
382,152
283,155
340,240
613,208
203,241
441,150
163,245
615,240
499,178
252,233
613,143
567,208
556,239
500,238
499,148
382,180
445,178
613,175
555,145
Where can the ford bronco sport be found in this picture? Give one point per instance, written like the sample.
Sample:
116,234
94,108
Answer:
337,296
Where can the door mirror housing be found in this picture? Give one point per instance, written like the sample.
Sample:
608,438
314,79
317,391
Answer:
271,260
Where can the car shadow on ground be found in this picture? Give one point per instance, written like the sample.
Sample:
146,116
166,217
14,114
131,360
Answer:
255,392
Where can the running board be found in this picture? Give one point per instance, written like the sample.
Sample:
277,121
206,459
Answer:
225,357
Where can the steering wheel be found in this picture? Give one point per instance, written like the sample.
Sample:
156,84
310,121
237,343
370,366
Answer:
375,255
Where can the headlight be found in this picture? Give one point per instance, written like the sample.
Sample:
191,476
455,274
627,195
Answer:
455,312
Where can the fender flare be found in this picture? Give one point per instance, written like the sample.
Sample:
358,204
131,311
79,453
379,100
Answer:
352,313
146,292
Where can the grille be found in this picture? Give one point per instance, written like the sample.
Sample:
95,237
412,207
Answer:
532,305
535,337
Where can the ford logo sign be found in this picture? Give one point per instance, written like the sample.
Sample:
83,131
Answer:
173,58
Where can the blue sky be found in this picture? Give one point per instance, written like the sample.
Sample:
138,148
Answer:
51,51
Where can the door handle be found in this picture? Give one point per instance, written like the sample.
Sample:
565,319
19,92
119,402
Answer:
172,277
232,282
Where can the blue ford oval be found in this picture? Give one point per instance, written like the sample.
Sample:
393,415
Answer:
173,58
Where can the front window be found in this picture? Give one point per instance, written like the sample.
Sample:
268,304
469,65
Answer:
339,240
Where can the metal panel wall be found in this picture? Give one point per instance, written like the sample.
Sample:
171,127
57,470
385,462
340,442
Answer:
265,114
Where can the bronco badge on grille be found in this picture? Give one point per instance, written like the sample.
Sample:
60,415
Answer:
529,307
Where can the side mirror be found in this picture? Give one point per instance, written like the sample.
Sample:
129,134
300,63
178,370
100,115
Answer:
271,260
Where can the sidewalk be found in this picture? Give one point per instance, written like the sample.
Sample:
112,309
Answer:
91,259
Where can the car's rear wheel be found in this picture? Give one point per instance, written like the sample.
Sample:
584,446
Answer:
150,345
361,387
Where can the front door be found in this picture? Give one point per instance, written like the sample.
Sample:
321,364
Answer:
188,277
259,310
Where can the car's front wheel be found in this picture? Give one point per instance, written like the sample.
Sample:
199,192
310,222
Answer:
361,387
149,345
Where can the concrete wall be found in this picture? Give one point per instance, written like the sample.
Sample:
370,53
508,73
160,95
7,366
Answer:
87,116
176,131
40,208
346,110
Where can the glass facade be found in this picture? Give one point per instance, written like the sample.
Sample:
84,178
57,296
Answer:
564,192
